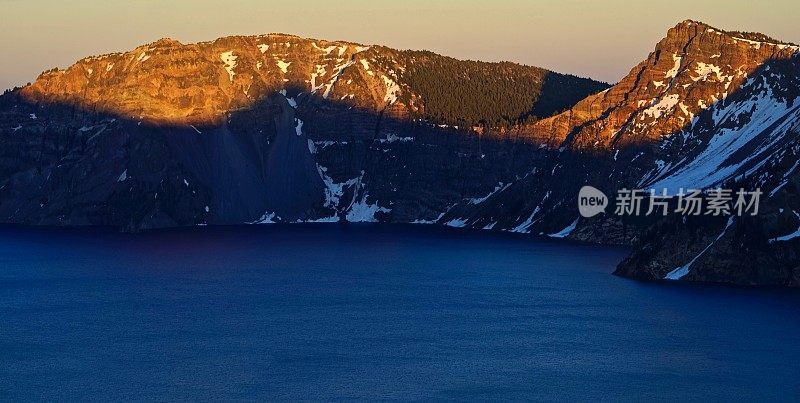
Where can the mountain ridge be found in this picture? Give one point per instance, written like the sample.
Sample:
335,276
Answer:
706,108
258,65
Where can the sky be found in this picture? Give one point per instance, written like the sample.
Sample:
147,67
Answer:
602,39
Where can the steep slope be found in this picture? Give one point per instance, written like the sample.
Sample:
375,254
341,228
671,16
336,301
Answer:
706,109
659,117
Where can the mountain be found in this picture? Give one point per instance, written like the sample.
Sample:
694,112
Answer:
277,128
706,109
271,127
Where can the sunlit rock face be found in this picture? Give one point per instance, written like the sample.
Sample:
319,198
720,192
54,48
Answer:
169,82
198,84
693,68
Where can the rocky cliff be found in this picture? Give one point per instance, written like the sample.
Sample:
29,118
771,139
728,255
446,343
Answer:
265,128
277,128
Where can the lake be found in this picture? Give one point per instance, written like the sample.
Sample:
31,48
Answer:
368,311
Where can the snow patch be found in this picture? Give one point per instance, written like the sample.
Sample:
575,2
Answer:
267,218
434,221
566,231
320,71
704,70
673,72
393,138
366,67
292,101
361,211
283,66
456,222
524,227
230,63
392,90
788,237
334,191
339,70
682,271
332,218
500,187
663,106
326,51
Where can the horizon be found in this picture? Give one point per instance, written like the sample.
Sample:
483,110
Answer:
525,32
419,200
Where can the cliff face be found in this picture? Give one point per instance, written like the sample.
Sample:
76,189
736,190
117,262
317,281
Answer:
693,68
277,128
707,108
262,128
663,124
167,82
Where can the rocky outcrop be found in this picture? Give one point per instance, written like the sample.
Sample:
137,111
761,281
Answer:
694,67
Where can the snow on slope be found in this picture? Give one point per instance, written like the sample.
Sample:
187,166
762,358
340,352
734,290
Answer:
682,271
362,211
230,63
566,231
744,134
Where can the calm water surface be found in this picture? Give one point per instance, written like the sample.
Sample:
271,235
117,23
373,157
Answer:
371,312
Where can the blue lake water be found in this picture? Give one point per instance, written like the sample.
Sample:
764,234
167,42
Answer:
371,312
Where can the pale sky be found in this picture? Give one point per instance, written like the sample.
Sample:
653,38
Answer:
601,39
